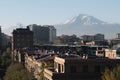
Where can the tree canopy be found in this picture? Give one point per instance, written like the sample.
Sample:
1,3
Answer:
17,71
112,74
5,60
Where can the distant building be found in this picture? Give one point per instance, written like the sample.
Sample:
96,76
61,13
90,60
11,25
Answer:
22,37
114,42
118,35
74,68
99,43
43,34
6,40
97,37
87,37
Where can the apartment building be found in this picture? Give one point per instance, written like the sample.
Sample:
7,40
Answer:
76,68
43,34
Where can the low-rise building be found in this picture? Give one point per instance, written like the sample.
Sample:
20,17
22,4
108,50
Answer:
36,63
110,53
99,43
76,68
97,37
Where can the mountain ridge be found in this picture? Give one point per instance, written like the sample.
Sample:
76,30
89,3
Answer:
87,24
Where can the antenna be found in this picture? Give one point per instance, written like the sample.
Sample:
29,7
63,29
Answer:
20,25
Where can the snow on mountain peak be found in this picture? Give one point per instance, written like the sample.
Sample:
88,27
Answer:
84,20
84,17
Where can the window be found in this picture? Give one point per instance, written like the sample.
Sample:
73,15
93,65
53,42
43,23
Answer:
62,68
18,40
85,68
73,69
18,44
59,68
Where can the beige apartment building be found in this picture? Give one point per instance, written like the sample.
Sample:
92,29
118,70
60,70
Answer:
76,68
34,63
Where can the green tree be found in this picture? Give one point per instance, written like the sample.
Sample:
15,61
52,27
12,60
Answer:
112,74
43,66
6,58
17,72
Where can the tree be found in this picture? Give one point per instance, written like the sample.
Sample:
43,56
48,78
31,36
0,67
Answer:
6,58
112,74
43,66
16,71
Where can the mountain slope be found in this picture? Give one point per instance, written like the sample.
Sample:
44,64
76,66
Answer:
84,19
85,24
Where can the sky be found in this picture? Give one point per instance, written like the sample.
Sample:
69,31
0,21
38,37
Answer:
50,12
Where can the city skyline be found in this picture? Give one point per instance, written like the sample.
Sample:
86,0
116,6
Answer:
54,12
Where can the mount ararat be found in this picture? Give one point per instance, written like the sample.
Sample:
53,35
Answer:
87,25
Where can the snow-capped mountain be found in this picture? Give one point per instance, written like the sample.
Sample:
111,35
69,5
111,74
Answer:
84,19
86,24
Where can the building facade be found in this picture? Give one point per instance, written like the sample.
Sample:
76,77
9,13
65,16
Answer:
78,69
22,37
97,37
110,53
43,34
35,63
6,40
87,37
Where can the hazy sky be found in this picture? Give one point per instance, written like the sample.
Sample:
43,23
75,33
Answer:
52,12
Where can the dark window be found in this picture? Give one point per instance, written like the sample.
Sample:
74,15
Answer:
59,68
62,68
73,69
85,68
97,69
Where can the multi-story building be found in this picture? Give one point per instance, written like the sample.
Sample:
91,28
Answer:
97,37
75,68
87,37
43,34
22,37
6,40
35,63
